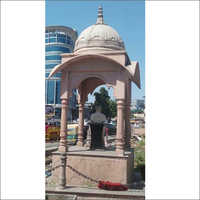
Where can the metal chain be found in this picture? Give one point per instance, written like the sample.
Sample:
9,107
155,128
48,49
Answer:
50,170
80,174
74,170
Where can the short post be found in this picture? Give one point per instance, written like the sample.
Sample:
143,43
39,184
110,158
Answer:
62,179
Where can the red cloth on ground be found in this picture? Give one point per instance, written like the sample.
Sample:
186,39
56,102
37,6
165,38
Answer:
106,185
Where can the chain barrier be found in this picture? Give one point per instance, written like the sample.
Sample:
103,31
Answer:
49,171
80,174
52,169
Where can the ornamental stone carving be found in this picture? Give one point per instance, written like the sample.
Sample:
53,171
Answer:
99,35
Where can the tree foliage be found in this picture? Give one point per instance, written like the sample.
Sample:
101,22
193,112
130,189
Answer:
109,107
113,108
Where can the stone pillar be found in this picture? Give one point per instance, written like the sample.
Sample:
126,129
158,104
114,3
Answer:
128,126
120,127
127,117
81,124
63,128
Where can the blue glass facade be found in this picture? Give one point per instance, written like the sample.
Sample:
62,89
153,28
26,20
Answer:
58,40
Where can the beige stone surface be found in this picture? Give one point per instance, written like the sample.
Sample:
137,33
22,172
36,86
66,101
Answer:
83,193
99,166
139,131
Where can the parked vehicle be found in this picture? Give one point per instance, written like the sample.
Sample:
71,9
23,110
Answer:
111,128
72,134
53,132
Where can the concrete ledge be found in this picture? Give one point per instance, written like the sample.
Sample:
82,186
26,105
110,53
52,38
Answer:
49,151
84,151
91,192
94,154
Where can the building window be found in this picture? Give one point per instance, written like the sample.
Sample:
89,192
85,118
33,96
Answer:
55,76
50,66
57,48
45,91
62,40
52,34
50,92
58,92
53,57
52,40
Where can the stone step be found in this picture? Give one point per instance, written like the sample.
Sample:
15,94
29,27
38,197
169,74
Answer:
77,197
92,194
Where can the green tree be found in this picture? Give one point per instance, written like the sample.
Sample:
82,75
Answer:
113,108
109,107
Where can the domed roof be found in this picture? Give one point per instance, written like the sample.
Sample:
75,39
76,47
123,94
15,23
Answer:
99,35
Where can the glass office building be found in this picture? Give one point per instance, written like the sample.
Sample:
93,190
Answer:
58,40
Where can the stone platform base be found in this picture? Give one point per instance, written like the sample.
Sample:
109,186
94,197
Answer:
99,165
79,193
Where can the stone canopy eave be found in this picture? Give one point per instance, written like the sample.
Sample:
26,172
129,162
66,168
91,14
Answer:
132,69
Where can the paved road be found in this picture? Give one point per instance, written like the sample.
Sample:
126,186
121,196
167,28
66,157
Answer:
51,145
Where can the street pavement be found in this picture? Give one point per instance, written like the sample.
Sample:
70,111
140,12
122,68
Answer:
50,145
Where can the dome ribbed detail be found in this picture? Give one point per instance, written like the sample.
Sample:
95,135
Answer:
99,35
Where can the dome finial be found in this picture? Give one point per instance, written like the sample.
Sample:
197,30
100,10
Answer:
100,16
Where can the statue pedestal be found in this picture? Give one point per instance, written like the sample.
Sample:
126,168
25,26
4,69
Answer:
98,165
96,135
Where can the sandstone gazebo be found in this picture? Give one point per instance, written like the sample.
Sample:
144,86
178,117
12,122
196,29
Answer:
99,58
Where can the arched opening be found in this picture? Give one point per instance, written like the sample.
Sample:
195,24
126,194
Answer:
103,96
84,90
90,84
93,92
